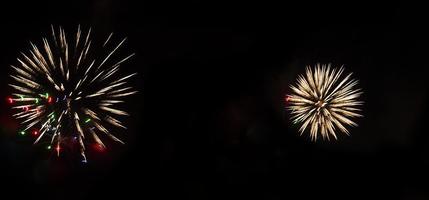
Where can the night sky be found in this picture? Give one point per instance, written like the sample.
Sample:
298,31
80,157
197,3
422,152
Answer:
210,122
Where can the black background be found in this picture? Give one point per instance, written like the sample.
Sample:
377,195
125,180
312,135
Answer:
209,121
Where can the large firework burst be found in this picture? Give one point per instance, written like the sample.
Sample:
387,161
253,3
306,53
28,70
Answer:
69,93
324,101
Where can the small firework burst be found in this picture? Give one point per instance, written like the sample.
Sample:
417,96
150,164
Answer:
324,101
69,92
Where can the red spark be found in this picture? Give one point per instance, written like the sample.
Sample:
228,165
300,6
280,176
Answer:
58,148
99,147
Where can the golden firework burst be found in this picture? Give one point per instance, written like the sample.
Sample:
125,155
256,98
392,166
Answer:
324,101
69,92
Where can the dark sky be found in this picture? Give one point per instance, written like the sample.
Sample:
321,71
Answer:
209,121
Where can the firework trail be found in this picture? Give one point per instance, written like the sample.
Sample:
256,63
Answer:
324,101
67,90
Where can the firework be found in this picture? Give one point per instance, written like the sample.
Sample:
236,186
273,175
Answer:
67,91
324,101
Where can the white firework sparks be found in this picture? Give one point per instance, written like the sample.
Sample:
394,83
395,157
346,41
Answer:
324,101
67,91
